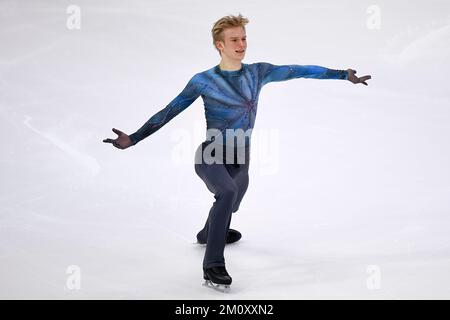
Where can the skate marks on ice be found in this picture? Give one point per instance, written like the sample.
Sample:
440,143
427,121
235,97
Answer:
84,159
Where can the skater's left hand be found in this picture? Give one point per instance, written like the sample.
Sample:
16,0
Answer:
354,79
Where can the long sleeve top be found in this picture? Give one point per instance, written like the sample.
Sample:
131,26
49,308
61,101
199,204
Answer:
230,98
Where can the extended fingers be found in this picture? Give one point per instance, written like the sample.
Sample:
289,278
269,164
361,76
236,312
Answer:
118,132
363,79
114,143
356,79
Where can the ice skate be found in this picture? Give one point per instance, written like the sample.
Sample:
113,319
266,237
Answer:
217,278
232,236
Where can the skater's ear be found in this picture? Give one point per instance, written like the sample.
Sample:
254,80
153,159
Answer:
220,45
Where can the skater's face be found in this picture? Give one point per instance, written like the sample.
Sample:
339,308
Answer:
234,45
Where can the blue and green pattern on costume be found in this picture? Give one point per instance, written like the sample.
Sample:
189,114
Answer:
231,97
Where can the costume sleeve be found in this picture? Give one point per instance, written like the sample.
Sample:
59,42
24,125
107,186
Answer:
189,94
272,73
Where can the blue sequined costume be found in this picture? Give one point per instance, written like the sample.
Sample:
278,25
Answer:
231,97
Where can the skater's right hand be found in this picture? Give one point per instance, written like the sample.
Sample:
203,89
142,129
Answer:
123,141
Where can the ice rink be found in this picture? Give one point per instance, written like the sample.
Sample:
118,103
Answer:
349,194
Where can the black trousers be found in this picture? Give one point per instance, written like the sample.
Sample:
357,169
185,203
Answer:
228,182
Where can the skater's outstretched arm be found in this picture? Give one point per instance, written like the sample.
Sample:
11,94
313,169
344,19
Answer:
189,94
272,73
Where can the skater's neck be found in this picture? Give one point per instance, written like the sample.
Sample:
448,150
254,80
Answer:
230,65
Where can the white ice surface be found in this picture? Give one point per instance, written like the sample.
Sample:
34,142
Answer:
355,177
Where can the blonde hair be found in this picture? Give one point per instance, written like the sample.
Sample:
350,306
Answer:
226,22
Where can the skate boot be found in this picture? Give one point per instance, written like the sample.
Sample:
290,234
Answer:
217,278
232,236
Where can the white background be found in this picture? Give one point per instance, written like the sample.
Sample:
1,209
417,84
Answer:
353,176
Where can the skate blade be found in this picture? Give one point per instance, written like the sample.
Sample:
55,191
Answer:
224,288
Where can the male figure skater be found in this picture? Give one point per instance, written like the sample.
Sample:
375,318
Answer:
230,94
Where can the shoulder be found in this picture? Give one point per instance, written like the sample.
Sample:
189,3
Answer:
260,68
203,76
259,64
199,81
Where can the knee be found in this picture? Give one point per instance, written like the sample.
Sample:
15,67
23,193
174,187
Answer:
228,193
